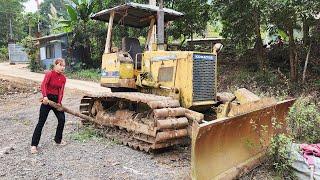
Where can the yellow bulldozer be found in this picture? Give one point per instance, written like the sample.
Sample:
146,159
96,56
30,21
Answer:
164,98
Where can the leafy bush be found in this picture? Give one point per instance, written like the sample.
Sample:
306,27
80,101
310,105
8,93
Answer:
33,52
279,153
34,65
4,54
304,120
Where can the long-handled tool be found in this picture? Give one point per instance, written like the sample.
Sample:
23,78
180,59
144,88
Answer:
67,110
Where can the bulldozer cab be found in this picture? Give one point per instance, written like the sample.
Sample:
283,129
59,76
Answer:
137,16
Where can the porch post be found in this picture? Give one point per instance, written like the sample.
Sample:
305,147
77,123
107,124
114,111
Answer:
108,41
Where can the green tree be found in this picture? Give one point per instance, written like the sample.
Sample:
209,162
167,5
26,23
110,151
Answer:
45,7
194,21
283,14
242,22
311,34
306,11
286,15
31,23
48,24
11,10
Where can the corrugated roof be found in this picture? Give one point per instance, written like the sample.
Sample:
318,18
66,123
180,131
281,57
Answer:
135,15
51,36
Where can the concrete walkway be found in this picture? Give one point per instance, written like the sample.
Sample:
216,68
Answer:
21,71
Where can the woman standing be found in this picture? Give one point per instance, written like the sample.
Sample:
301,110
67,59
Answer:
52,88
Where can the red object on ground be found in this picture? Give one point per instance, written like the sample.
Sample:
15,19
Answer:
53,83
309,151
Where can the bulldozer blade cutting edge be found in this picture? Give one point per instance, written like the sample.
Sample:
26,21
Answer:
228,147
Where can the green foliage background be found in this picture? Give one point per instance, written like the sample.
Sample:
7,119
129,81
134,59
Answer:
241,23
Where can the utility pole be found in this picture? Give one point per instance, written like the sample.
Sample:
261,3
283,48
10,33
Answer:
160,26
38,7
10,30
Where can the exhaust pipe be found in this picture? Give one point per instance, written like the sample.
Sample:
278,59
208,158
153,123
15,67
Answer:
160,26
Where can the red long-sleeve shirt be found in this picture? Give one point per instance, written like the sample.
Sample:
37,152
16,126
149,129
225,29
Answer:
53,83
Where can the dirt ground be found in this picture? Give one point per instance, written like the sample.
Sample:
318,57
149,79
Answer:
93,158
96,158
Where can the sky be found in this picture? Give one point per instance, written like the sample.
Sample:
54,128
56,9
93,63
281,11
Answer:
31,5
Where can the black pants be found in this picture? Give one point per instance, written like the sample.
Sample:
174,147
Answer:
44,111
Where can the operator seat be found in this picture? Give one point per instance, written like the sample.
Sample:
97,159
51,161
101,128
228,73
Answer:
132,46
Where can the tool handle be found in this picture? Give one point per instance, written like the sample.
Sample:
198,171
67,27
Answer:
67,110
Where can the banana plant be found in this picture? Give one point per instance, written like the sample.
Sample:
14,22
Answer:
78,22
78,10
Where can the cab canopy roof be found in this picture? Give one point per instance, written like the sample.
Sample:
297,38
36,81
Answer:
135,15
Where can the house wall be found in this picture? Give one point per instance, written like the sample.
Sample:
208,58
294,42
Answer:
60,51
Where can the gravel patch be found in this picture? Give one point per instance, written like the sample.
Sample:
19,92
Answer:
95,158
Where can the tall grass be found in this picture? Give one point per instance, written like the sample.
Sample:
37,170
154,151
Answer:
84,74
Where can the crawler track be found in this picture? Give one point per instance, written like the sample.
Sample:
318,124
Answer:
142,121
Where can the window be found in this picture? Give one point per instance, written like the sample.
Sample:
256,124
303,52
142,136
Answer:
50,51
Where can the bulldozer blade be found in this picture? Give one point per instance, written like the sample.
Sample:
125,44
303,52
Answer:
228,147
